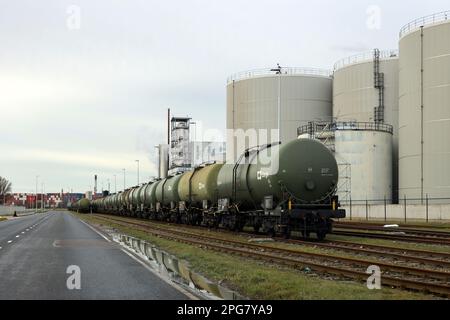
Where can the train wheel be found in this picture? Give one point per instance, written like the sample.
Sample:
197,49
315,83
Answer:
272,233
321,235
287,233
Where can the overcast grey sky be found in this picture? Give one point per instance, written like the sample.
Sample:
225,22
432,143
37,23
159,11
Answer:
84,85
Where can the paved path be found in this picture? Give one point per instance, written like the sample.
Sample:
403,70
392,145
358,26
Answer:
37,250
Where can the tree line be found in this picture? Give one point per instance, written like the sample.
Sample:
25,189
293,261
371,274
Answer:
5,188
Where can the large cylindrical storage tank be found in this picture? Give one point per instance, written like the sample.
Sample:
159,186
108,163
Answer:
253,98
367,148
358,91
424,117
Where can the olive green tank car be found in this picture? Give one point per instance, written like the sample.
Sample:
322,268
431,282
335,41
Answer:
276,188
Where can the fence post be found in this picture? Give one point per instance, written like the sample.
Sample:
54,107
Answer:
405,205
427,208
350,207
385,209
367,210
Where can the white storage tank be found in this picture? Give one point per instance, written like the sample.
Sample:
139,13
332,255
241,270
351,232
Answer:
365,89
302,94
367,148
363,151
424,108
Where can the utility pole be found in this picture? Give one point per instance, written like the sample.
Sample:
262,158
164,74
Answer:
42,202
37,177
115,183
123,179
137,161
277,70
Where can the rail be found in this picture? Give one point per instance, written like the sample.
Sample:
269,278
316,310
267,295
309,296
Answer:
355,126
284,71
362,57
424,21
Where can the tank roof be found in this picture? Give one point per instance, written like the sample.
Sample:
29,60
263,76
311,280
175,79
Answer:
288,71
345,126
431,19
364,57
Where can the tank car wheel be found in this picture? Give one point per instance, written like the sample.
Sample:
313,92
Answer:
321,235
272,233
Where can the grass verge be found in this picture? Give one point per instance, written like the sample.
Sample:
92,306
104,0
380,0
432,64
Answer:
259,280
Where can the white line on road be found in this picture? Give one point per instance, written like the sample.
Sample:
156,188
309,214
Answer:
9,241
23,232
96,231
17,236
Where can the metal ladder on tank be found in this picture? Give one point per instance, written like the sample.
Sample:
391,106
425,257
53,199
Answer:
378,78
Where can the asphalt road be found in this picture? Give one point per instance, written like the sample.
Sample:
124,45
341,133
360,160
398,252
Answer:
36,252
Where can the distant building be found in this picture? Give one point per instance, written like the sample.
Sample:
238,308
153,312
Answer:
51,200
184,154
207,152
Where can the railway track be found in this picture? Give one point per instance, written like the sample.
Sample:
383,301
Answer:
421,279
401,224
435,259
392,236
406,230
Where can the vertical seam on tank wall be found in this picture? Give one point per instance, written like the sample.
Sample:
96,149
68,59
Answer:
421,115
233,108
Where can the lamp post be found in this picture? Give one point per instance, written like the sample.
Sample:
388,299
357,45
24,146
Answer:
115,183
137,161
42,202
37,177
278,72
123,179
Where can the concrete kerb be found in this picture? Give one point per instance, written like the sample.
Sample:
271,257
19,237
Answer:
177,270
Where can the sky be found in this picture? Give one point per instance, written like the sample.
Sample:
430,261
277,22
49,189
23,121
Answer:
85,85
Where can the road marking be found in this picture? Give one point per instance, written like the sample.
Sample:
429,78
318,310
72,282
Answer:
183,291
9,241
96,231
17,236
23,232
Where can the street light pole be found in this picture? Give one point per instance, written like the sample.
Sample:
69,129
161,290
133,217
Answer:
115,183
42,202
137,161
278,71
37,177
123,179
